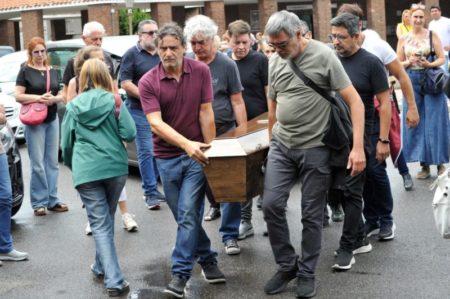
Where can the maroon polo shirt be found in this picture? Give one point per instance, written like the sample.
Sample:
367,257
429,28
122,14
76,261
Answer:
179,102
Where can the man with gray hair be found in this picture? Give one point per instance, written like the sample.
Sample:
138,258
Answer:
137,61
298,119
228,106
93,33
176,97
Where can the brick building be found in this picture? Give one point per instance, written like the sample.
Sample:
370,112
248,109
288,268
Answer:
63,19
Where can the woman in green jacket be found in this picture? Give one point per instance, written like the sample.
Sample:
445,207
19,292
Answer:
92,146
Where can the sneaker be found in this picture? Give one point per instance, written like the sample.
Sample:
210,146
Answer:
159,196
116,292
362,246
424,173
344,260
440,169
387,233
279,281
176,286
371,229
337,214
151,202
212,214
212,273
259,202
129,223
407,182
232,247
13,255
245,230
88,230
98,275
306,287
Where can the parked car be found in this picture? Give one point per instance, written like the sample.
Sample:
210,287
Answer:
59,52
6,50
15,166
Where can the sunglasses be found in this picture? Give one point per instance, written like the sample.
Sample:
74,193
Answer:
37,52
417,6
150,33
280,45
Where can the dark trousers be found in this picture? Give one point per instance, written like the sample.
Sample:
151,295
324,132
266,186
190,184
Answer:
285,168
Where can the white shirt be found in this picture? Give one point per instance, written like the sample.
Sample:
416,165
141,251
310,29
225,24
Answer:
378,47
442,28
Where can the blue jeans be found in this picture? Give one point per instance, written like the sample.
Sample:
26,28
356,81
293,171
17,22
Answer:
378,202
144,148
5,206
184,186
43,144
100,199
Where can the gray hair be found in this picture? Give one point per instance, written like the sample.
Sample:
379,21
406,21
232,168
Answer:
200,24
283,21
304,27
93,26
143,23
348,21
171,29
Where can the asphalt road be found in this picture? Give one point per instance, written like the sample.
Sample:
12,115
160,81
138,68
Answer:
414,265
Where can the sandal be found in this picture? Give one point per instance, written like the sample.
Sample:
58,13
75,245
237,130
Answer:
59,208
40,212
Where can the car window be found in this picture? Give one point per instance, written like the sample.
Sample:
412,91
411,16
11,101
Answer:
58,58
5,51
9,71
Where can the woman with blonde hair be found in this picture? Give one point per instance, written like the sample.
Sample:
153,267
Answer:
428,142
92,146
405,26
38,83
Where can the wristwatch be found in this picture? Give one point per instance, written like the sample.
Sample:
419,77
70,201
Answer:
385,141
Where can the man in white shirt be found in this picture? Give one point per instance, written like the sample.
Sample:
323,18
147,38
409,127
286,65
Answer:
441,25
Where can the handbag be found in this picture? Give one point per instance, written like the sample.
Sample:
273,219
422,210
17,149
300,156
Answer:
435,78
35,113
441,204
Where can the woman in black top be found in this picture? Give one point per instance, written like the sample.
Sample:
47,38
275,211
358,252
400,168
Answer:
42,140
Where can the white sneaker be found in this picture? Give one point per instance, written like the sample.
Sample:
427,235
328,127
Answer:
88,230
13,255
129,223
245,230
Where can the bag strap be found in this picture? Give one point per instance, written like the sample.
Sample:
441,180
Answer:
48,80
432,53
308,82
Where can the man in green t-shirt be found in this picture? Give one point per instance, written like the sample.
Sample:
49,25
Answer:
298,119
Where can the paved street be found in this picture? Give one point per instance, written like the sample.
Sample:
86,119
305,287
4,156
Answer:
414,265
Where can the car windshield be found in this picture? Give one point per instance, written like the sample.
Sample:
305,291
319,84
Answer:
58,58
5,51
9,71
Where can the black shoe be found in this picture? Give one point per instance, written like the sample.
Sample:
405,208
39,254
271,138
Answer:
407,182
212,274
176,286
371,229
279,281
344,260
387,233
212,214
362,246
337,214
116,292
306,287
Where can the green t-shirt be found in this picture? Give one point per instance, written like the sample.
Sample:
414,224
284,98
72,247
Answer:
302,114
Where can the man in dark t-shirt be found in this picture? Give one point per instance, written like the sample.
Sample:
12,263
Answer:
369,78
93,33
253,68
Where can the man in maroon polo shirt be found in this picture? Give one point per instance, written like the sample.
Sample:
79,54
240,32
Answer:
176,97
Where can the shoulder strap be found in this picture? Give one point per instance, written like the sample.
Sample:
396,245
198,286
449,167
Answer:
308,82
432,53
48,79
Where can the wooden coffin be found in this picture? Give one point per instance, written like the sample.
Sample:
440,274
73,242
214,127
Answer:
235,160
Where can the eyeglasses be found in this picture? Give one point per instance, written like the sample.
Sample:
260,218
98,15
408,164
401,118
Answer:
280,45
200,42
37,52
417,6
150,33
339,37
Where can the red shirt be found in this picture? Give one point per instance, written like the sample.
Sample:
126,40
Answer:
179,102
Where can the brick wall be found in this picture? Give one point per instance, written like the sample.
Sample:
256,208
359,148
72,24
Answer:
321,19
376,16
266,9
216,11
104,15
161,13
32,25
7,38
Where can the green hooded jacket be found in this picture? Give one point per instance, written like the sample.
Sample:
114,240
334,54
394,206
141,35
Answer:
92,137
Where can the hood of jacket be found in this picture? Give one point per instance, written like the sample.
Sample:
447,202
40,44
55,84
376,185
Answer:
91,108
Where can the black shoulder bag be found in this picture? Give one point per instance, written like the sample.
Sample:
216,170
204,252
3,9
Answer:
435,78
339,135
